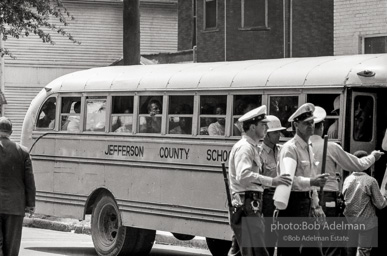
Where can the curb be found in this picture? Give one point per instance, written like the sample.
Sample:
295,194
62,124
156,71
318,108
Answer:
162,237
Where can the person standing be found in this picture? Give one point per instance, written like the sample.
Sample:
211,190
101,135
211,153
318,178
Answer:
303,196
336,160
17,190
246,184
362,196
269,157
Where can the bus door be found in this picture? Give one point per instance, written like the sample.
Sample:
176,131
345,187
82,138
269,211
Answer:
363,122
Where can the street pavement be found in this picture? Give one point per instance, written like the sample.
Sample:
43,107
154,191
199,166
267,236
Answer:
46,242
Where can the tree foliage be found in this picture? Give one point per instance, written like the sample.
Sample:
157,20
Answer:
21,18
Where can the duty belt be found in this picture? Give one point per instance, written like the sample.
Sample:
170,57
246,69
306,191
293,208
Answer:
253,195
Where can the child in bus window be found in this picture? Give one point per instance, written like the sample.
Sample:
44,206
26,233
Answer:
124,123
73,124
152,123
217,128
185,123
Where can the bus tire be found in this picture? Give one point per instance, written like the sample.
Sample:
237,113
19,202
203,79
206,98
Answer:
110,238
183,237
218,247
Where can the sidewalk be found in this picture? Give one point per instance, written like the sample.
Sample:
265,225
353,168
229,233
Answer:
83,227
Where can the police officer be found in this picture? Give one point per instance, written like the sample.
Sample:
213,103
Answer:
246,184
336,160
269,157
303,196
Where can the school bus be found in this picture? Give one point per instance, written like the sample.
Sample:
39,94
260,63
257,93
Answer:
140,147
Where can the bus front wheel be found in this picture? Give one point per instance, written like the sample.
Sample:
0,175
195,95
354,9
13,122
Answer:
218,247
110,238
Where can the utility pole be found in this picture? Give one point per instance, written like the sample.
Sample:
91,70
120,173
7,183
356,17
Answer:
2,81
131,33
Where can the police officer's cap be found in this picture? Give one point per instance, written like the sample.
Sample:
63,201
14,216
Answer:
319,114
257,114
303,113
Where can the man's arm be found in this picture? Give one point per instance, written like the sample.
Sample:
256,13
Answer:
377,198
350,162
247,171
29,182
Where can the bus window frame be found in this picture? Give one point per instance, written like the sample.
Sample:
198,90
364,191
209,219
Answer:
45,129
110,113
60,100
226,115
192,116
301,98
329,116
162,115
105,95
231,106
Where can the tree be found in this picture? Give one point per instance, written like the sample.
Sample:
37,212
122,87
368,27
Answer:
21,18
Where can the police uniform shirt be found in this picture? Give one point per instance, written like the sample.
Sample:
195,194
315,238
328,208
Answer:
301,152
269,158
245,167
336,156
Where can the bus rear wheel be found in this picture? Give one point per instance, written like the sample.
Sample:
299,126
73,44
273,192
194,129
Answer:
110,238
218,247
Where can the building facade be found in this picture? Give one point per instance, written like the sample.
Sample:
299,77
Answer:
256,29
98,26
360,27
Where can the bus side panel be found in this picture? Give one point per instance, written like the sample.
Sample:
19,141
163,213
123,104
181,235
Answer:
157,185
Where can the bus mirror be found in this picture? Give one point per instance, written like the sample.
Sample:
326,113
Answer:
366,73
47,89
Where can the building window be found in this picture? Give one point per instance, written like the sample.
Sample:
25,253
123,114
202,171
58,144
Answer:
375,44
254,14
210,13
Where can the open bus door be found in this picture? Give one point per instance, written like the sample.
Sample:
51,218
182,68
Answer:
363,129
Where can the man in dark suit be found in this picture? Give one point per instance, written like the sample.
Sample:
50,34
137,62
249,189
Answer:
17,190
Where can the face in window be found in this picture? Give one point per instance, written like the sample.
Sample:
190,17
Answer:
154,108
220,110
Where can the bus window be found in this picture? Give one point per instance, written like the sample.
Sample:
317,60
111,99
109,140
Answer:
122,114
283,107
70,114
150,114
212,115
331,104
242,105
180,114
95,113
363,116
46,117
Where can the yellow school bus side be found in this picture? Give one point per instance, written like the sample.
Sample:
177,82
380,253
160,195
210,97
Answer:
135,183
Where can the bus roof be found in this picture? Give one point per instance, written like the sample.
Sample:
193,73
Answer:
330,71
